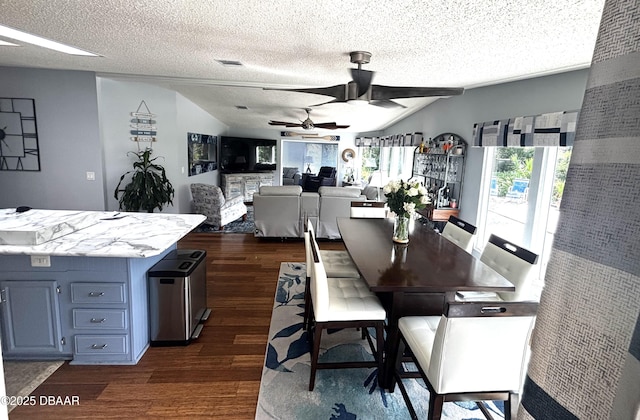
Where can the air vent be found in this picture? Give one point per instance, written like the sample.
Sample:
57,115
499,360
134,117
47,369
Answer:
230,63
242,107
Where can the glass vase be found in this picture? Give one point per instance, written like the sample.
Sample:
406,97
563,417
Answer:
401,230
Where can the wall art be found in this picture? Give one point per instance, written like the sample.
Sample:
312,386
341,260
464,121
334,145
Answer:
19,149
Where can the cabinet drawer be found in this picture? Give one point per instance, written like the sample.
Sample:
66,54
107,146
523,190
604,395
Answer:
100,344
97,293
100,319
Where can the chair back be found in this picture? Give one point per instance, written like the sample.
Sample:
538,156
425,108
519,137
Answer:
481,346
319,287
459,232
368,209
513,262
207,195
327,172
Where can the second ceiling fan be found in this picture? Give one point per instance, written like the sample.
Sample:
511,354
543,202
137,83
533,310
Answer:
308,124
361,89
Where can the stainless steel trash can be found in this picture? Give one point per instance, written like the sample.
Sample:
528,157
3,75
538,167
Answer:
177,297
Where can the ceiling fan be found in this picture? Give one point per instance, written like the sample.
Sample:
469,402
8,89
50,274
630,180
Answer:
308,124
360,88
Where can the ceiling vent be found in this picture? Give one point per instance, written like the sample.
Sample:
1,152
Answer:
242,107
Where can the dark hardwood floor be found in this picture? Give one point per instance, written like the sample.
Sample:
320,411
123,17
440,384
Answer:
217,376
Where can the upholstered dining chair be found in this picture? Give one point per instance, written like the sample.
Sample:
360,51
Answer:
337,264
342,303
513,262
475,351
459,232
209,200
368,209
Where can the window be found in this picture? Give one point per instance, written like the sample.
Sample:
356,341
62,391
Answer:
265,154
521,198
381,164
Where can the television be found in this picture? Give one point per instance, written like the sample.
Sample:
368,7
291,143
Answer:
242,154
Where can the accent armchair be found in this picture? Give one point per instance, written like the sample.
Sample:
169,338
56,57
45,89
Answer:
209,201
326,177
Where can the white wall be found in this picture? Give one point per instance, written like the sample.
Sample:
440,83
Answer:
69,141
561,92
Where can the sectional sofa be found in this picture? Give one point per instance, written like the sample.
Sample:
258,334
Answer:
280,211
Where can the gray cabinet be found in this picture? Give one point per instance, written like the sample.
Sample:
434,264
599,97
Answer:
31,319
88,310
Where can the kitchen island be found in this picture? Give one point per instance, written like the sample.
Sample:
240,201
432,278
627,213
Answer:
73,284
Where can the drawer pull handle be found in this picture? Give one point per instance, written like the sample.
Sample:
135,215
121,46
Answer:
98,346
98,321
96,294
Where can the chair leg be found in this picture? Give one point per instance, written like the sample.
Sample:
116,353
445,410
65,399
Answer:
314,355
435,406
244,217
221,227
511,406
380,350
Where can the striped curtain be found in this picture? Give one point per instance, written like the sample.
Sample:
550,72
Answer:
552,129
585,361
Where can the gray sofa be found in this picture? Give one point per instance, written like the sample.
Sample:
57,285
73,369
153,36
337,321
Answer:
280,211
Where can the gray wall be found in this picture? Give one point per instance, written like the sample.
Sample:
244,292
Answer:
83,125
175,116
69,140
561,92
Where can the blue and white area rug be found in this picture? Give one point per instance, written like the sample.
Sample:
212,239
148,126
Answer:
345,394
237,226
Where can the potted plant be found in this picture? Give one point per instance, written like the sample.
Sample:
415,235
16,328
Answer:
149,187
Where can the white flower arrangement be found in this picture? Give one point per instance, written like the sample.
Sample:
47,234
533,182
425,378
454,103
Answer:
404,198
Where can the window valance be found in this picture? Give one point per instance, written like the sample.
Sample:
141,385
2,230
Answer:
552,129
396,140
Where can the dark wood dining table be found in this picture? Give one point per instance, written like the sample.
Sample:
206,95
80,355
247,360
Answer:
415,278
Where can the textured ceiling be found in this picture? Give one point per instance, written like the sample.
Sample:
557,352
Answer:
294,43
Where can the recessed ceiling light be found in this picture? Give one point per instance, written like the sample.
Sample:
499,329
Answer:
232,63
7,32
7,44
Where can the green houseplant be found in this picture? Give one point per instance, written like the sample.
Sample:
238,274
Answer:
149,187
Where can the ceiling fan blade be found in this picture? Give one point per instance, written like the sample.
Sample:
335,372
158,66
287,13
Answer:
390,92
386,103
337,91
286,124
330,126
362,79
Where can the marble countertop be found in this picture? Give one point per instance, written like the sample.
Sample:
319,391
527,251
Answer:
91,233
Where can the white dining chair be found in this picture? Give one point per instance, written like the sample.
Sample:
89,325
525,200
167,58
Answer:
511,261
459,232
368,209
342,303
475,351
337,264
